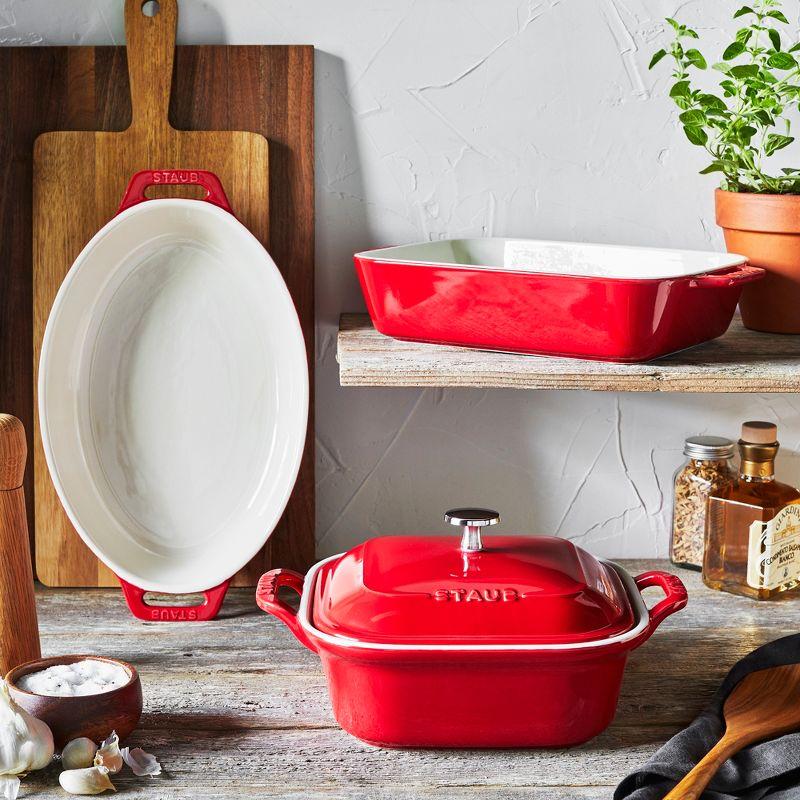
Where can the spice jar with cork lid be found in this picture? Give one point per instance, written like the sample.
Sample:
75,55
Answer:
753,525
708,467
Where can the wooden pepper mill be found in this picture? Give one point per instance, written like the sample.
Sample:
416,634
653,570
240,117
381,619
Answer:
19,629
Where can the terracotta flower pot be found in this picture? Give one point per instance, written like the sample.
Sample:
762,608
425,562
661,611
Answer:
766,229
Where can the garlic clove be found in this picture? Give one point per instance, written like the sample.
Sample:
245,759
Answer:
9,787
140,762
78,754
93,780
108,755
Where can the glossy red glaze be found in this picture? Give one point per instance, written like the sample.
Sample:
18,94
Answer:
135,193
141,609
468,693
424,590
608,319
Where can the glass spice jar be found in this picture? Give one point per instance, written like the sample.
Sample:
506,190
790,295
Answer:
709,467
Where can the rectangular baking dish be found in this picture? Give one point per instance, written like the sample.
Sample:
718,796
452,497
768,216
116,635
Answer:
594,301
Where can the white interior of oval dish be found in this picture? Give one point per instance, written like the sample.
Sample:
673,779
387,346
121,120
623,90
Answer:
173,395
559,258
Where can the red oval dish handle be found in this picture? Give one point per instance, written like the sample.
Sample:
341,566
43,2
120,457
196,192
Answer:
676,596
267,600
745,273
134,597
137,185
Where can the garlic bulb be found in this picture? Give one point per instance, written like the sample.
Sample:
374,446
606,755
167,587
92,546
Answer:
108,755
78,754
93,780
26,743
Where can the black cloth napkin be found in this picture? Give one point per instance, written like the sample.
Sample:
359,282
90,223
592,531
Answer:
767,770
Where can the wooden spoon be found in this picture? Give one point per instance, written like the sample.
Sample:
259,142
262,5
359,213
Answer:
764,705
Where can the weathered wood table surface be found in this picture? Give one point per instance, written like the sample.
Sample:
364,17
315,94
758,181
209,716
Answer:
236,708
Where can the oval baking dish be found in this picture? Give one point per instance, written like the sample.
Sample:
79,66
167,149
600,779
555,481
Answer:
605,302
173,396
511,641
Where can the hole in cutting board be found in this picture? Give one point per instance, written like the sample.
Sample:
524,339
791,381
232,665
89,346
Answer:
187,190
150,8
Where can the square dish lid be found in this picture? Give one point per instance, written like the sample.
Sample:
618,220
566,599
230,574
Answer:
428,590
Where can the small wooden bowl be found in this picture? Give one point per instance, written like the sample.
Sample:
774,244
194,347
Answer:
94,716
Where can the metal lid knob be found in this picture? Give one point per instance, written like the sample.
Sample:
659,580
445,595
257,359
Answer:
472,520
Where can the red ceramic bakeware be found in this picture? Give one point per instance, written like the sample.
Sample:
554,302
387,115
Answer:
603,302
502,641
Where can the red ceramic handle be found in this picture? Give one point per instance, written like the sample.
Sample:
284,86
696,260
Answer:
744,273
135,193
267,600
140,609
676,595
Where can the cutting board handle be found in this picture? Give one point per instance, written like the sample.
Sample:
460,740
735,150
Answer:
150,49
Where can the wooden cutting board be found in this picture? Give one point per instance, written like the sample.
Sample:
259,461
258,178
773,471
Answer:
79,177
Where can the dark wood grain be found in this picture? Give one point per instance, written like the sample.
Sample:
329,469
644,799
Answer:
264,89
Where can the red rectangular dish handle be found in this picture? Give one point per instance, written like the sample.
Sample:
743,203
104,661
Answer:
140,181
737,276
208,609
676,596
267,600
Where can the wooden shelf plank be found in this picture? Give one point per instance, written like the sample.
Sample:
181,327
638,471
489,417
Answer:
739,361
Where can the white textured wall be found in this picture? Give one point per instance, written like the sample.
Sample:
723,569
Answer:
482,117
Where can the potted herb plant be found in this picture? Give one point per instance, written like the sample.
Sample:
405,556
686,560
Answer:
742,125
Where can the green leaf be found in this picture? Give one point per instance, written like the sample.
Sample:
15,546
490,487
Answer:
695,135
696,57
680,89
778,15
656,58
744,35
744,71
693,118
711,102
714,166
774,37
722,67
782,61
690,33
732,51
674,24
794,48
746,133
775,142
742,11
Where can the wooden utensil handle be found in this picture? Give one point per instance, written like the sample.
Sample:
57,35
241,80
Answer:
693,785
19,629
151,49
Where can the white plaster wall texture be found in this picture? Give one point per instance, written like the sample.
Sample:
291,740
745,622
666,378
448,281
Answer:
475,118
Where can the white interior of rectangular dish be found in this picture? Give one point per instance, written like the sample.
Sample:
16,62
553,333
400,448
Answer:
559,258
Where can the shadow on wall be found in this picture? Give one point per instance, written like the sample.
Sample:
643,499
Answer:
378,471
341,209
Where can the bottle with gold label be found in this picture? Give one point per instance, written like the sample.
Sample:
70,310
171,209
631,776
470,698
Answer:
753,524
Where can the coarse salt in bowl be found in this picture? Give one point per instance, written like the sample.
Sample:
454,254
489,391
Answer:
90,676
